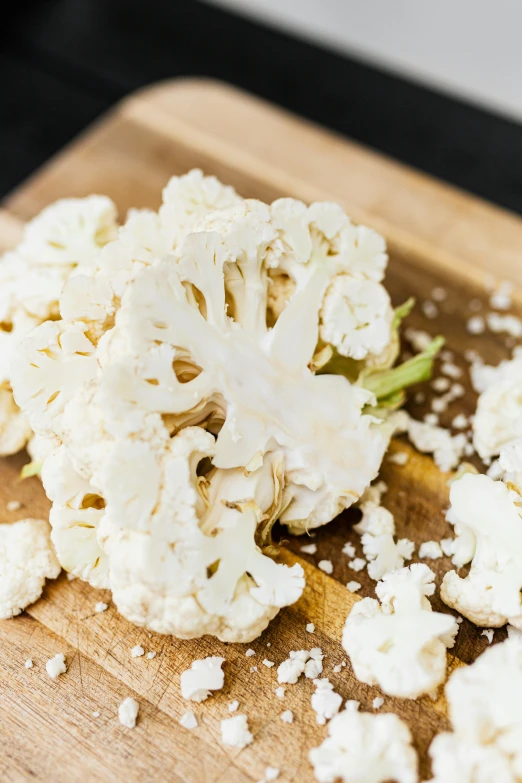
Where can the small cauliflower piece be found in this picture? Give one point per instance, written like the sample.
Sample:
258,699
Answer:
188,720
447,449
27,559
400,643
365,748
56,666
235,733
291,669
384,554
484,708
203,677
128,712
488,526
325,701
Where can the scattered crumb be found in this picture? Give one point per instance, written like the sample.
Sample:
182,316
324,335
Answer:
338,668
233,706
14,505
457,390
96,714
430,309
235,733
188,720
268,663
509,324
249,653
56,666
357,564
440,384
151,655
418,339
269,644
488,633
432,419
280,692
430,550
309,549
101,607
128,712
377,703
501,298
460,422
451,370
439,405
353,586
137,651
287,716
271,773
29,663
439,294
325,701
447,356
310,628
399,458
476,325
253,669
349,549
326,566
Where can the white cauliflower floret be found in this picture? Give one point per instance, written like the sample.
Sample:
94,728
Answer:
488,527
203,677
14,427
27,559
384,554
325,701
356,317
365,748
400,644
484,708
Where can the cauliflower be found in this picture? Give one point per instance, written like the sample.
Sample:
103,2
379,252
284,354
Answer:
377,528
365,748
26,561
186,417
488,527
484,708
400,644
203,677
447,449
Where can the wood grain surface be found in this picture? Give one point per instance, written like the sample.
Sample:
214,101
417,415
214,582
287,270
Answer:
437,237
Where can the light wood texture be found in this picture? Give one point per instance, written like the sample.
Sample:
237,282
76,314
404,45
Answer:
438,237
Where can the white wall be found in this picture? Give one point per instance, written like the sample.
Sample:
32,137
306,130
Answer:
471,48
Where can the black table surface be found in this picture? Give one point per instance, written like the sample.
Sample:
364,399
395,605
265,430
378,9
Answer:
64,62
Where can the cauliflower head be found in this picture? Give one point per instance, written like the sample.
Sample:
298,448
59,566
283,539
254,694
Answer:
487,518
187,413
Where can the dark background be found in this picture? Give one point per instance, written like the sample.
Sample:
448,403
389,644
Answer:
64,62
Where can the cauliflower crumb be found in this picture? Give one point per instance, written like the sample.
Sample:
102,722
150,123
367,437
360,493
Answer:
233,706
430,309
314,666
430,550
268,663
510,324
137,651
460,422
440,384
203,677
249,653
271,773
309,549
56,666
439,294
325,701
253,669
96,714
128,712
14,505
310,628
377,703
287,716
188,720
488,633
235,733
476,325
291,669
348,549
151,655
29,663
399,458
357,564
326,566
353,587
101,607
280,692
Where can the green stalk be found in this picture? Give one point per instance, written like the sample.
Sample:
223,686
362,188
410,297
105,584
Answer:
387,383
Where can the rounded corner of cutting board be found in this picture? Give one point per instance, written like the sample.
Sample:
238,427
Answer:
167,93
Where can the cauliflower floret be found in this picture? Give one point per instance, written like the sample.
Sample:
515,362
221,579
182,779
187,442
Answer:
362,747
484,708
488,527
384,554
203,677
356,317
400,644
27,559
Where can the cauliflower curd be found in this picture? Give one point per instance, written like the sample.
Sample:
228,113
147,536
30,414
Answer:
220,365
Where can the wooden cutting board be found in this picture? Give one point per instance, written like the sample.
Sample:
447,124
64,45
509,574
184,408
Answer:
438,237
